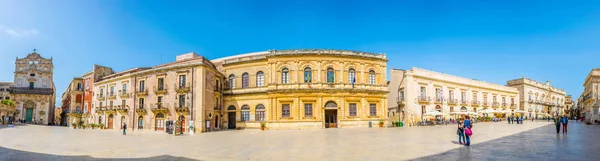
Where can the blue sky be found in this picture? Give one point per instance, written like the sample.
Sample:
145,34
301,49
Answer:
493,41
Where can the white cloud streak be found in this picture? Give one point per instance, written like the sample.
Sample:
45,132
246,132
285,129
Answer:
19,32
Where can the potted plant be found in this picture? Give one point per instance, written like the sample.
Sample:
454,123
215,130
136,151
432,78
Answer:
263,124
93,126
74,125
381,123
83,126
101,125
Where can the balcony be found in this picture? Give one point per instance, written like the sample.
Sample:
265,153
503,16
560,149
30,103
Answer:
452,101
424,99
401,102
513,106
504,105
100,97
530,101
124,94
463,102
485,104
474,103
160,89
182,89
439,100
27,90
112,96
159,107
495,104
141,110
123,109
183,109
142,92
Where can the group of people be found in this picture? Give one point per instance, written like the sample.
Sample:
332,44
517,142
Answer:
512,119
464,131
564,121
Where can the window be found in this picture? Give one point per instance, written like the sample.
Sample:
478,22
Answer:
31,84
438,94
512,101
124,90
330,75
260,79
100,104
79,86
308,110
451,93
7,98
161,83
182,80
181,101
422,92
371,77
401,95
307,75
351,76
352,109
245,113
285,110
503,100
260,113
232,81
123,104
285,76
110,104
141,122
101,92
112,90
141,103
32,74
245,80
159,101
463,96
373,109
142,86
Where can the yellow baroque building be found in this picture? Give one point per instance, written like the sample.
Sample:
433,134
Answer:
304,89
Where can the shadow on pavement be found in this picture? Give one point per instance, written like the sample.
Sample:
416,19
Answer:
17,155
581,143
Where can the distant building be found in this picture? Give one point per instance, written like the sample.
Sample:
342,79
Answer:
539,99
417,92
5,90
7,113
588,100
33,90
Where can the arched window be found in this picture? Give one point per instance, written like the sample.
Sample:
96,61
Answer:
232,81
285,76
330,75
351,76
260,113
245,113
231,108
307,75
245,80
372,77
260,79
141,122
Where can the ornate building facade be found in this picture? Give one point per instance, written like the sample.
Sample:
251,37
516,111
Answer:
419,91
588,100
72,104
304,89
289,89
33,90
182,93
539,99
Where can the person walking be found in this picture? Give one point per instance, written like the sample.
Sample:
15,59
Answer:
461,133
557,123
564,122
467,126
124,128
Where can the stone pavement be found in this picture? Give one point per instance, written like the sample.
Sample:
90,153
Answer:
491,141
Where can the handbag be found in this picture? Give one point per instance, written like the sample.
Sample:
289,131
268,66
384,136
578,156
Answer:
468,132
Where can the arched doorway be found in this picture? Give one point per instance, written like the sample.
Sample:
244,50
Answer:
141,122
216,121
438,108
29,106
99,119
110,121
231,117
160,122
182,123
122,121
331,114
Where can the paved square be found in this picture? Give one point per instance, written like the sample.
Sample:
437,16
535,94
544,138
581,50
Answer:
491,141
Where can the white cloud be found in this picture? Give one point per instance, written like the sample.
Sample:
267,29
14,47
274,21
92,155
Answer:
19,32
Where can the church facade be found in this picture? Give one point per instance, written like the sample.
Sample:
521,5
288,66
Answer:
34,91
